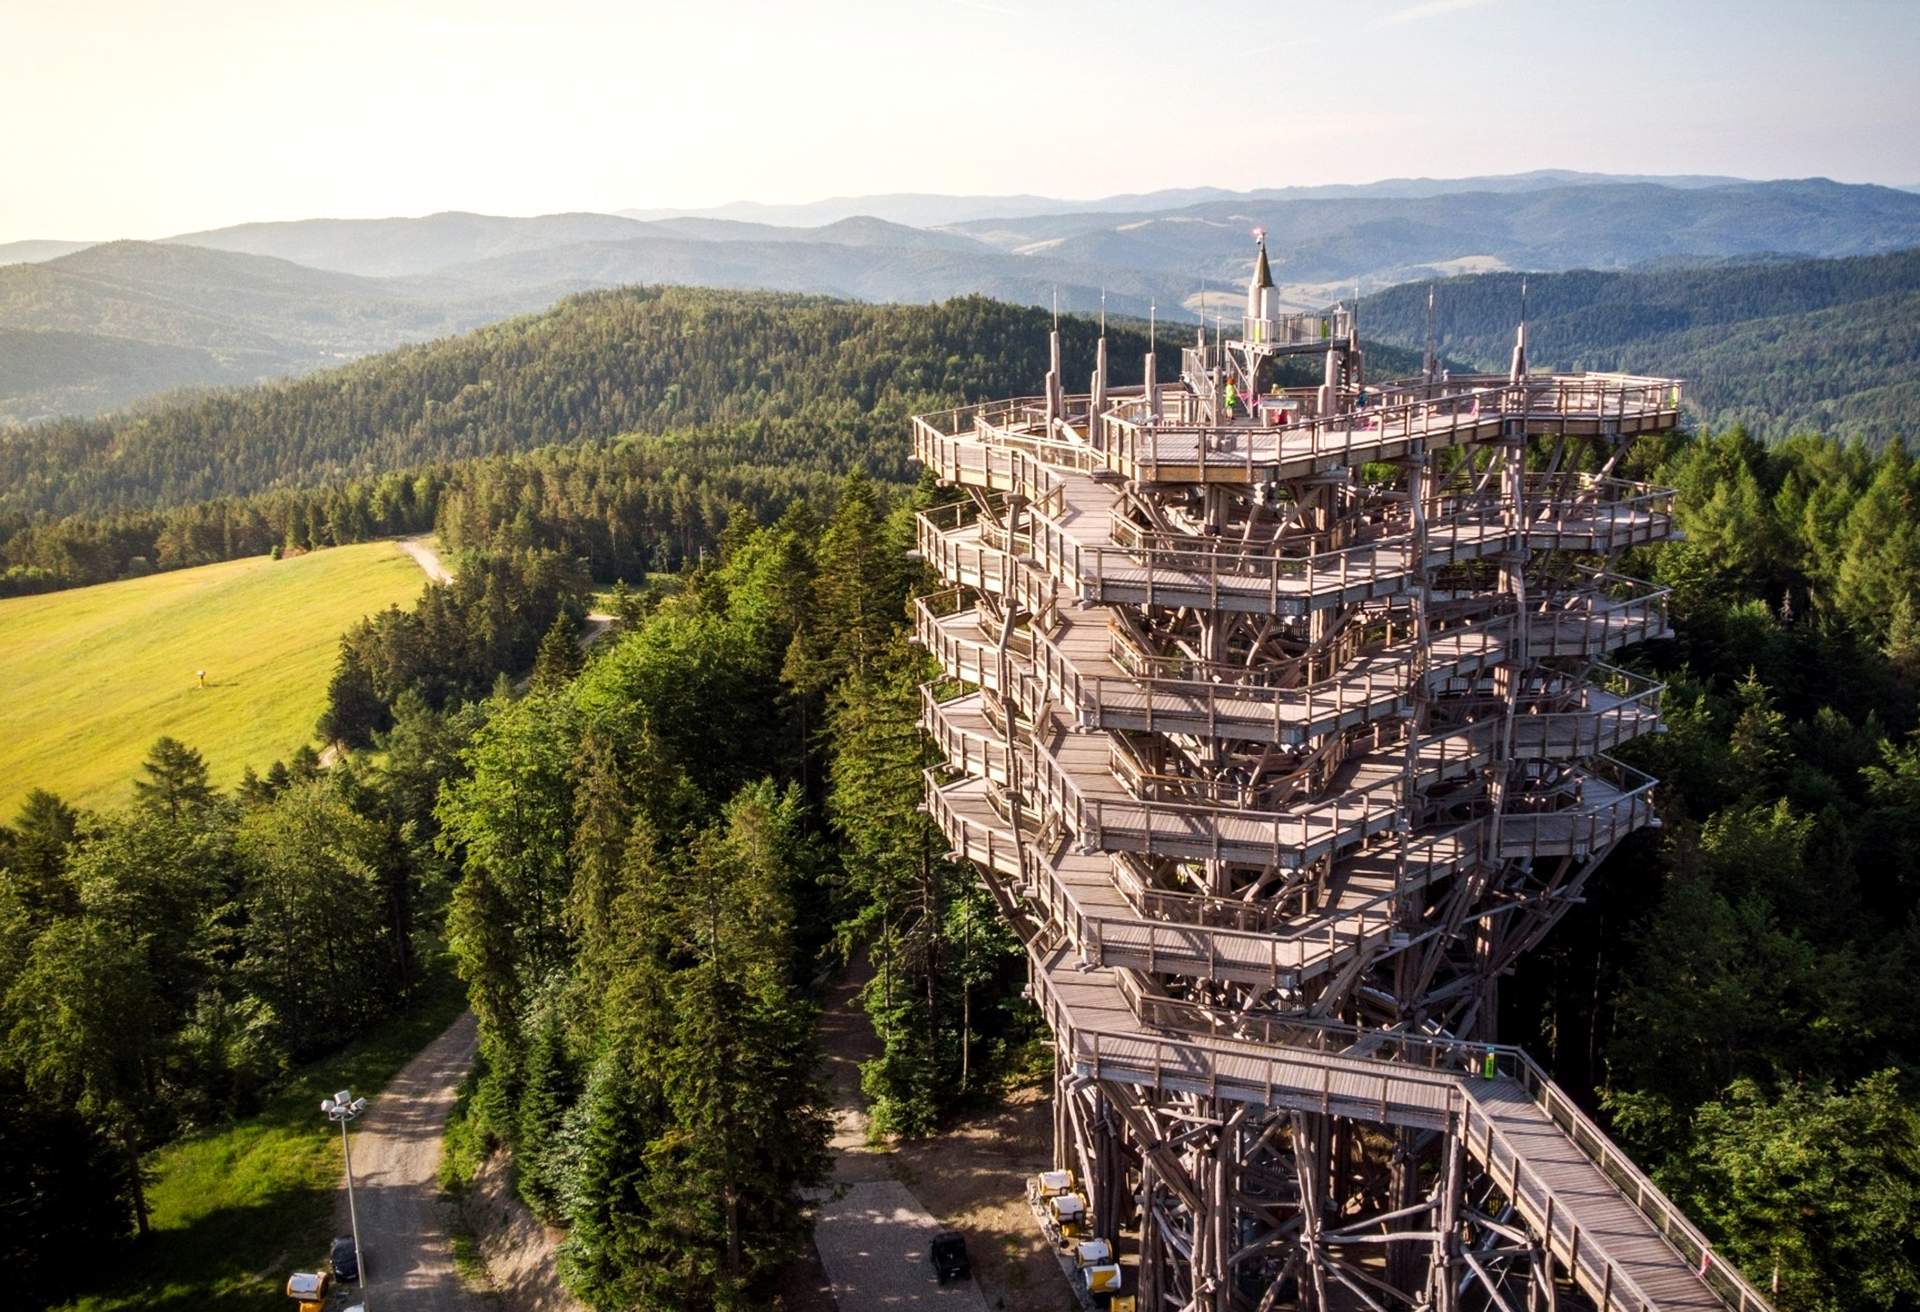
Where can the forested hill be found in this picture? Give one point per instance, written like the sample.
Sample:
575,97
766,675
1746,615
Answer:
774,378
1782,346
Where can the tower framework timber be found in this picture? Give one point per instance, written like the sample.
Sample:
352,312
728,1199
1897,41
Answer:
1280,732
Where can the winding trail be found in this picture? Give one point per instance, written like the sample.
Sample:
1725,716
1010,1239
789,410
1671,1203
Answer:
404,1220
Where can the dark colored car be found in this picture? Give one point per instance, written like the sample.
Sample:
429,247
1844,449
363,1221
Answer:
344,1261
949,1253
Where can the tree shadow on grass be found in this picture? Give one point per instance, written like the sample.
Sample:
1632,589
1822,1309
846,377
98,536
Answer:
218,1261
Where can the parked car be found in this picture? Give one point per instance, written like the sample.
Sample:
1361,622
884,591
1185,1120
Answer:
949,1253
343,1259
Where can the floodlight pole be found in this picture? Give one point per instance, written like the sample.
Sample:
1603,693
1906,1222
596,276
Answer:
343,1107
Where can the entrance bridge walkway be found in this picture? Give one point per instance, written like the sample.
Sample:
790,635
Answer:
1624,1242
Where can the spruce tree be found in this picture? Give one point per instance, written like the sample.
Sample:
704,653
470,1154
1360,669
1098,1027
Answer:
547,1090
560,657
176,780
606,1245
35,864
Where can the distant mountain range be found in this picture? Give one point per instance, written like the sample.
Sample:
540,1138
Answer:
110,324
85,329
927,210
1778,345
32,252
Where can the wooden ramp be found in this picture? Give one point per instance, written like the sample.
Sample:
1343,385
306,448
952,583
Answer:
1616,1251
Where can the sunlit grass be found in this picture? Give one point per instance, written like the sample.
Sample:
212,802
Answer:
236,1209
93,675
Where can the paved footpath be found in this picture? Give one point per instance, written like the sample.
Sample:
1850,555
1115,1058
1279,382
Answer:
870,1231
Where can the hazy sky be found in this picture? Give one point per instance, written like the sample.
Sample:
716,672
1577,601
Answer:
140,119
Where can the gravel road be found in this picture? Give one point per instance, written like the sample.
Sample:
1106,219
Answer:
869,1229
396,1155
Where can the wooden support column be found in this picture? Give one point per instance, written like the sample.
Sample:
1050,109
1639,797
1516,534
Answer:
1153,1250
1447,1227
1062,1075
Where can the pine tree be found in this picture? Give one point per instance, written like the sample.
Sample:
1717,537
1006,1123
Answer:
35,868
602,1257
354,711
176,780
735,1056
560,657
896,889
547,1090
860,589
1759,740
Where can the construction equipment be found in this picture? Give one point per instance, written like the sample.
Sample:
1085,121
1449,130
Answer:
1050,1184
1093,1263
309,1289
1067,1214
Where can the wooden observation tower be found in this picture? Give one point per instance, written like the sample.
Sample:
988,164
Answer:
1280,729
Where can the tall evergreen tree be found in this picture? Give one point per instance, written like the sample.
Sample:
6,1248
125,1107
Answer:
34,860
559,658
176,781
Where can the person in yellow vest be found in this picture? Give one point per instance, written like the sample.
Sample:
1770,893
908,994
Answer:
1232,398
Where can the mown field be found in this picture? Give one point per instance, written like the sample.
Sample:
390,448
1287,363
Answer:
93,675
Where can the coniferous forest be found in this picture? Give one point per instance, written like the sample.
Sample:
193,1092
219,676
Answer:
644,859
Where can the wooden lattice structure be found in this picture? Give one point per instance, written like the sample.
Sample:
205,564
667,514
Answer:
1280,734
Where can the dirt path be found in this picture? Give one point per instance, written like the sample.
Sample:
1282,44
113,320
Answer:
521,1254
970,1177
426,556
396,1156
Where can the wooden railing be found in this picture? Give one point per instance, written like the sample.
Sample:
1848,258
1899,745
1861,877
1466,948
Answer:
1719,1275
1609,801
1414,1071
1604,716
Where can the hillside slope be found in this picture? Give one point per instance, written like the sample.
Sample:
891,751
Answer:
110,324
774,372
94,675
380,248
1780,345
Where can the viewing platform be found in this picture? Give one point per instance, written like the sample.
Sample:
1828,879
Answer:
1281,721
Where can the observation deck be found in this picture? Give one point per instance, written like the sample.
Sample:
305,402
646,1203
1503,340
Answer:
1279,740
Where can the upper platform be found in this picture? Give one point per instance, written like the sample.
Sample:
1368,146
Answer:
1176,435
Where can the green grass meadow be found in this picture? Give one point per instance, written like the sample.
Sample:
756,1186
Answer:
93,675
239,1208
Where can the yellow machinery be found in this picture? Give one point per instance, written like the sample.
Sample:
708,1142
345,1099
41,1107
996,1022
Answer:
1093,1259
1068,1213
309,1289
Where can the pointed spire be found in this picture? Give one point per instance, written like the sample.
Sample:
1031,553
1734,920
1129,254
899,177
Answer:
1429,364
1103,311
1262,275
1520,337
